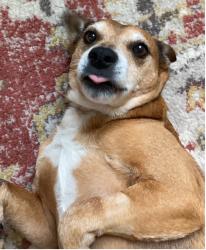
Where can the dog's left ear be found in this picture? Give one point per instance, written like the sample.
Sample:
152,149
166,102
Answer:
167,54
75,25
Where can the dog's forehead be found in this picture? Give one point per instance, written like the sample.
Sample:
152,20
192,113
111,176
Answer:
125,32
111,25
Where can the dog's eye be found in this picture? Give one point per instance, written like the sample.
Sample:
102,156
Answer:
140,50
89,37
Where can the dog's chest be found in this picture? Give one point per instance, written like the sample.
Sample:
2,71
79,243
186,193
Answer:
66,153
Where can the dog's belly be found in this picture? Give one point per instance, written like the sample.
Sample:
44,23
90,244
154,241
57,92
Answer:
99,179
94,177
81,169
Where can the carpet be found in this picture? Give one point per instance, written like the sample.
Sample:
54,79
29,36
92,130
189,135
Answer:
34,64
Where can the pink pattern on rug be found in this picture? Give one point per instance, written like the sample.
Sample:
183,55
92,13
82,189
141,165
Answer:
28,71
194,24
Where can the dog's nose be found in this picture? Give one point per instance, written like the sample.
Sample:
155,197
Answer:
102,57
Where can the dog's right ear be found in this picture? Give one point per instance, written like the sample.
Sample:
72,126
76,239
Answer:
74,25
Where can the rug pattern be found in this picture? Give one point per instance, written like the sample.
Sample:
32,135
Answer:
34,64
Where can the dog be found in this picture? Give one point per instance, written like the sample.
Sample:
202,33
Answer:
113,174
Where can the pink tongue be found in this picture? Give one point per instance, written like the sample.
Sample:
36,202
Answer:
98,79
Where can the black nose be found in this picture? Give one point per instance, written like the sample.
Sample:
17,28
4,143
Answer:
102,58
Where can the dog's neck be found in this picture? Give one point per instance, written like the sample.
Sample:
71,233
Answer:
92,120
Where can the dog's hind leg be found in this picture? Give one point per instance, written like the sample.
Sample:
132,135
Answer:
23,210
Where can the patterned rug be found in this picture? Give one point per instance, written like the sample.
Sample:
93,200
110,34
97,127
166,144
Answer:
34,63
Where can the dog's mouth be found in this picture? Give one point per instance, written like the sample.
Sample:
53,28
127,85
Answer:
101,84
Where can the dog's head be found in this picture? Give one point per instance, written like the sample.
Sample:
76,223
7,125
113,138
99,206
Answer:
115,67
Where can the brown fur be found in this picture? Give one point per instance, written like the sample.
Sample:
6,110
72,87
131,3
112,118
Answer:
160,201
24,211
137,186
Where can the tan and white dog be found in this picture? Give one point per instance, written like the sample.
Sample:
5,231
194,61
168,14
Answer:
112,175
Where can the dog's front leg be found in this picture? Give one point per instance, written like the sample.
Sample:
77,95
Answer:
144,211
23,210
80,224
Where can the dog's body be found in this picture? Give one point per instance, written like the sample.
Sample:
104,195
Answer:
112,169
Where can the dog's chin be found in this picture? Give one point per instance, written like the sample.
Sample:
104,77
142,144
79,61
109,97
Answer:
104,93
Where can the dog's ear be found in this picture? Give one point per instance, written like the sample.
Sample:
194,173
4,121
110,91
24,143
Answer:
74,25
167,54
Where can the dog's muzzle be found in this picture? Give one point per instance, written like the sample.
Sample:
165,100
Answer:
99,73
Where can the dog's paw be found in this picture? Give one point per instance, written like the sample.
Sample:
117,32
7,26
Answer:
81,224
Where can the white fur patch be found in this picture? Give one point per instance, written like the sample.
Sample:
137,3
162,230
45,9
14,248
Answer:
83,62
100,26
121,68
137,36
66,153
